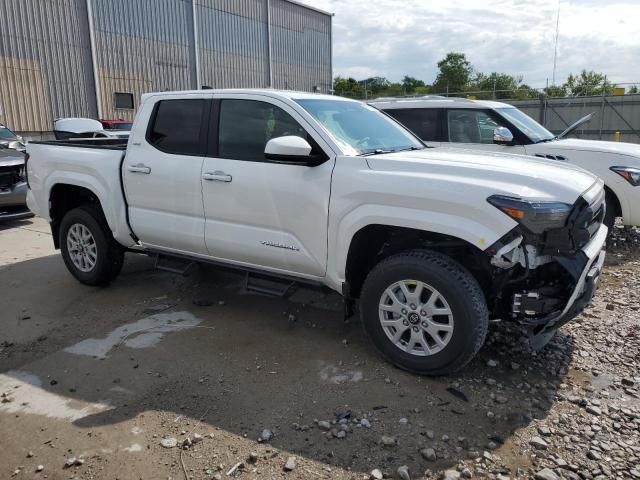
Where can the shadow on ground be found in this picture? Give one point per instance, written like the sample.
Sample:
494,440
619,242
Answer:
204,348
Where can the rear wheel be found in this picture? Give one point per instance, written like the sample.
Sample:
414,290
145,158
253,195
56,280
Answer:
424,312
88,248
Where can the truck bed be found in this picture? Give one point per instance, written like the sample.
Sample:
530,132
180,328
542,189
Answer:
95,165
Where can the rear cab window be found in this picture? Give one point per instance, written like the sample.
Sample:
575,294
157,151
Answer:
426,123
176,126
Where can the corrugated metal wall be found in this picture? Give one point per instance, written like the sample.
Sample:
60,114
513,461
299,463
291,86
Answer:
301,44
142,46
46,68
233,43
45,63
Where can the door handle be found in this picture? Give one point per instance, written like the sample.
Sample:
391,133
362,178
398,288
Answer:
217,176
139,168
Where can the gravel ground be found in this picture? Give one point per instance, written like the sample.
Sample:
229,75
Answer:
159,376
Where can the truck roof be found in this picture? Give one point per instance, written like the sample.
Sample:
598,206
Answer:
435,101
286,94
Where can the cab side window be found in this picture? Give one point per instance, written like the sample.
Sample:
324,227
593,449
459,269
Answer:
470,126
425,123
176,126
245,127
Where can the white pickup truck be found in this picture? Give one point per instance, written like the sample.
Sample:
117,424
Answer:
330,191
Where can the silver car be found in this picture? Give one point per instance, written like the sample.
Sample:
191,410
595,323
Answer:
13,185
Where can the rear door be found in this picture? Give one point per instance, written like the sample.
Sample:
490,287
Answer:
425,123
162,172
259,213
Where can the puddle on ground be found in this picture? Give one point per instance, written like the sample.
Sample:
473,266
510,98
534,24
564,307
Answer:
333,374
144,333
24,394
136,447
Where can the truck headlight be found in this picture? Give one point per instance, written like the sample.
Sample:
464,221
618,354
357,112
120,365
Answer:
537,217
630,174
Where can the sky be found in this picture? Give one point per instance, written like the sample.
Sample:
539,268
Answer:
393,38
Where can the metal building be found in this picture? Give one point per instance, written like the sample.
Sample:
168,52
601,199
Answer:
94,58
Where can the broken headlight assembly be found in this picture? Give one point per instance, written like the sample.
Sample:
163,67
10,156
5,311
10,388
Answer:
630,174
537,217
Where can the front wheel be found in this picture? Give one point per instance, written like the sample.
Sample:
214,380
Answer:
88,248
424,312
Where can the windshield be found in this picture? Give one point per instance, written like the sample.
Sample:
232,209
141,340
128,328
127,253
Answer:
526,124
6,134
118,126
360,129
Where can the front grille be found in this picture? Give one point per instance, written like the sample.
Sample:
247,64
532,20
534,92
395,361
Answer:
11,175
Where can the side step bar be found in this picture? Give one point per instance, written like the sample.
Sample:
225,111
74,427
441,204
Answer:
269,285
174,264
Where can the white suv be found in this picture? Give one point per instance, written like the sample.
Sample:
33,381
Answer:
499,127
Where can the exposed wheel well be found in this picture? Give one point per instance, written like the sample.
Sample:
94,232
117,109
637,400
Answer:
616,202
66,197
373,243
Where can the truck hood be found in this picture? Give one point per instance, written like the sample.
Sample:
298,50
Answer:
506,174
596,146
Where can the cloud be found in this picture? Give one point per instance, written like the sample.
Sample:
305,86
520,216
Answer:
393,38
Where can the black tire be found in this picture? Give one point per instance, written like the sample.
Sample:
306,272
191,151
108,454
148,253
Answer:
110,255
610,215
461,291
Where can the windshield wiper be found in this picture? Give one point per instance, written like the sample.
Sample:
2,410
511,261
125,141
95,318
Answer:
377,151
409,149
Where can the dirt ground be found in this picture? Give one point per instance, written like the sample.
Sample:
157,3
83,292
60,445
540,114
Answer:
93,382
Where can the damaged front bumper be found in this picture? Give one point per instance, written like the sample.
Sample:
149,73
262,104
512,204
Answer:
543,290
586,268
544,279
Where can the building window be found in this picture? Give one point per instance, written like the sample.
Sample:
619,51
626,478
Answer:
123,100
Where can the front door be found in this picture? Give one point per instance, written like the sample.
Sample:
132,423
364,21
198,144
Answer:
473,130
162,172
259,213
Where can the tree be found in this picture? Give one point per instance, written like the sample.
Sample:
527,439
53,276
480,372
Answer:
556,91
633,89
410,84
454,73
495,85
375,85
588,83
347,87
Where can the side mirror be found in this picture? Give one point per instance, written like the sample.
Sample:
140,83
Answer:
291,150
4,145
502,136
